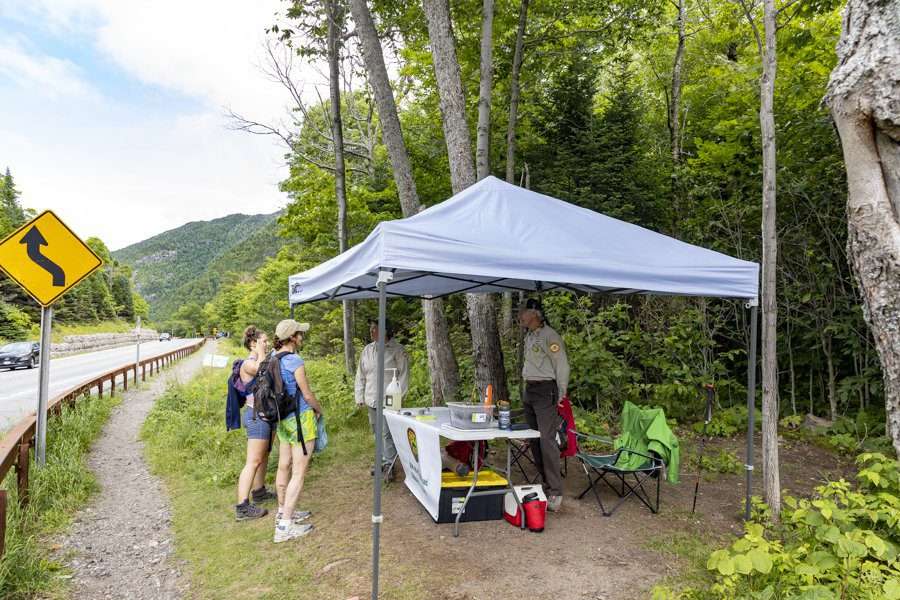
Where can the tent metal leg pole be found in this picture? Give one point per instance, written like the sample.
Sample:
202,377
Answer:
751,405
383,278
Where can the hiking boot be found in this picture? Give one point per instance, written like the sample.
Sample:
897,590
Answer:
247,511
263,494
290,531
554,503
299,516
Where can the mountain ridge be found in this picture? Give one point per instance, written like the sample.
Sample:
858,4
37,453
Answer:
187,264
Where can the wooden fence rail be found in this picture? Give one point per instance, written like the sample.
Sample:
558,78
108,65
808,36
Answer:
16,444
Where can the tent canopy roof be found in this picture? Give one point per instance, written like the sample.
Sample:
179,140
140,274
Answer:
495,237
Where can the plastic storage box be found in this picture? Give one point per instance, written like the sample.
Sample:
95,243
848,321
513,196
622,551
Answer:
471,416
479,508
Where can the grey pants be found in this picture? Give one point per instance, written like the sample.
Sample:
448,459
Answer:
390,451
540,412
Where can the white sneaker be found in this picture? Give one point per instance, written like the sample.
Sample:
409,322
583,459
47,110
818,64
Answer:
290,530
299,516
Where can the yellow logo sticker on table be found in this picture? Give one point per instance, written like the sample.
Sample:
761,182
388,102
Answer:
46,258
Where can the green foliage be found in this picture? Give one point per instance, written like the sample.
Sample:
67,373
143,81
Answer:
56,491
728,422
842,543
15,324
724,462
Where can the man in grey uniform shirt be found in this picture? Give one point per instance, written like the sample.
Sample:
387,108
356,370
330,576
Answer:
395,357
545,371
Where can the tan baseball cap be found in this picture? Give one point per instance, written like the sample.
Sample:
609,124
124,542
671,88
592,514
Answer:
289,327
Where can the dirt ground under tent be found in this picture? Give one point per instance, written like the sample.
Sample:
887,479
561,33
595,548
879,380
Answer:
580,555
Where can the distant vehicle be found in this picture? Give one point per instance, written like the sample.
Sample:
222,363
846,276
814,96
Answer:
20,355
165,337
220,335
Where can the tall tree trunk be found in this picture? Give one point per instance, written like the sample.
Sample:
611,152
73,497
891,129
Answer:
771,476
441,360
508,324
335,25
518,56
862,95
488,353
675,103
483,132
825,339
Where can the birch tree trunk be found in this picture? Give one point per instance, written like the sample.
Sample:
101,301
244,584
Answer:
335,25
488,353
766,45
862,95
441,360
508,324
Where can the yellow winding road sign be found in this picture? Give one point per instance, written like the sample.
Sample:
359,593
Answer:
46,258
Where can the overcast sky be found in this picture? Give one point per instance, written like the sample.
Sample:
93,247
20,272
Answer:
112,112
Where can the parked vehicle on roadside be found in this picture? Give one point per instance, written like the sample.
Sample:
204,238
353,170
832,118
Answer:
165,337
20,355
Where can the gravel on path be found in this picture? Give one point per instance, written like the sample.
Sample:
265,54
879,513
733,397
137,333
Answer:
121,545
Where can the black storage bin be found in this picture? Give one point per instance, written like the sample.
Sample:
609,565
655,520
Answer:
479,508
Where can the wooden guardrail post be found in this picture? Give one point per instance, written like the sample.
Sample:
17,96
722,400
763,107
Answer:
2,521
100,388
125,380
22,473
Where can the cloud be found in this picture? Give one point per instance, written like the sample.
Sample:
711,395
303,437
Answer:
40,72
141,143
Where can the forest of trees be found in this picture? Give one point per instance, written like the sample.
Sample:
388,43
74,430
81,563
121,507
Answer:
670,115
104,296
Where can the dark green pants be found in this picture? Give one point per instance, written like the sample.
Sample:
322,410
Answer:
540,412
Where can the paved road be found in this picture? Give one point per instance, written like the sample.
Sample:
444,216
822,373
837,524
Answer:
18,389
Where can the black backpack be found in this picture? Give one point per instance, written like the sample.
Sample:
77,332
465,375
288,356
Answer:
271,401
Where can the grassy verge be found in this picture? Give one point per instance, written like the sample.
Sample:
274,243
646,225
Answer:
27,569
188,447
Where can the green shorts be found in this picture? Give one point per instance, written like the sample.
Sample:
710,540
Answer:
287,428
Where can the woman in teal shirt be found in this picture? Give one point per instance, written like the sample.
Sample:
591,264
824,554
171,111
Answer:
292,460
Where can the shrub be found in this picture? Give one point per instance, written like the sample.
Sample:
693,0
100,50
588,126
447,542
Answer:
843,543
723,462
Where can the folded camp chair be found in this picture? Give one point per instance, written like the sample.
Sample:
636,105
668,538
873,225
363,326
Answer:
641,452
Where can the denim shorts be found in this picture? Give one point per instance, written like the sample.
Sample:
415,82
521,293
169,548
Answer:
257,429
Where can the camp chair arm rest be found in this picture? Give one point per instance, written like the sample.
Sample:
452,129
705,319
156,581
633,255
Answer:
655,460
596,438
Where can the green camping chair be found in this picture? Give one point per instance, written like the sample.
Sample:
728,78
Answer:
646,450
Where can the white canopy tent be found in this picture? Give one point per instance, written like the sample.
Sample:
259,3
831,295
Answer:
495,237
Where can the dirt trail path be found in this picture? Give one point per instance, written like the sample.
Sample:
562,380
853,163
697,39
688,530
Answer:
121,544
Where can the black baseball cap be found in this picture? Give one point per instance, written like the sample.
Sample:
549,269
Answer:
532,304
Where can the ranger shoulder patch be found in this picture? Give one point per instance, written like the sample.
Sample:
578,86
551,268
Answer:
554,347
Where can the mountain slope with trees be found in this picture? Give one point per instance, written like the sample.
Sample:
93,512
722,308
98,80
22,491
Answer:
187,265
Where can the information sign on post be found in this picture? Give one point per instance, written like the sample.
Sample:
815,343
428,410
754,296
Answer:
47,259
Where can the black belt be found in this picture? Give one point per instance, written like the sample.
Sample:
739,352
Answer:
539,381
